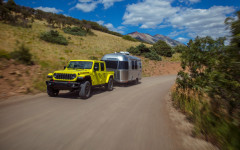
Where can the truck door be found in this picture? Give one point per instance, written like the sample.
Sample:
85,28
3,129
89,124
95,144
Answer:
103,73
96,74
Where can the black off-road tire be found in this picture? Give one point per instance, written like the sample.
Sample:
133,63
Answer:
85,91
109,85
51,92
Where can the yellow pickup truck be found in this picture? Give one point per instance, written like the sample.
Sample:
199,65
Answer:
81,76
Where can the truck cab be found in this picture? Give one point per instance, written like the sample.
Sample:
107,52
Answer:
80,75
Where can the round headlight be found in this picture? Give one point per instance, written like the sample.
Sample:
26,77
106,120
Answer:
54,75
73,76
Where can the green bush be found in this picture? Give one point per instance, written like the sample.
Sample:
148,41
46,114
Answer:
75,31
141,49
129,38
153,56
211,73
162,48
23,55
4,54
180,48
54,37
134,50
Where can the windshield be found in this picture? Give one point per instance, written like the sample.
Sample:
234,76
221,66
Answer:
80,65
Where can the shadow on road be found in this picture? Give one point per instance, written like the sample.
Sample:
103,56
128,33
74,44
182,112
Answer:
116,84
75,94
95,90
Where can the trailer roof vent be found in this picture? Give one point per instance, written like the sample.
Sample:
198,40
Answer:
125,53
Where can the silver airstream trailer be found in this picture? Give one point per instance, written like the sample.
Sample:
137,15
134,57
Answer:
126,67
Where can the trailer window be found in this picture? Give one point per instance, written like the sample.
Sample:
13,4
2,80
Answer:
136,66
111,64
123,65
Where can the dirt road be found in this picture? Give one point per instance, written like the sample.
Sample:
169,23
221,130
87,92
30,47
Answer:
127,118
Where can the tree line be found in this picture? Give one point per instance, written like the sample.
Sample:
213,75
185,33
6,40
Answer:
158,49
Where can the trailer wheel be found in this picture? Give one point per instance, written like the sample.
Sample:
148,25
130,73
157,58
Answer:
109,85
136,81
85,90
51,92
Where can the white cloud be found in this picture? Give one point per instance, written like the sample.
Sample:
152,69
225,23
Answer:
49,9
109,3
189,1
90,5
119,29
202,22
86,7
176,33
194,1
100,22
182,40
149,13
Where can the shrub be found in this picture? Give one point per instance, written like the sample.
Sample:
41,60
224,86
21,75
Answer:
211,72
75,31
4,54
153,56
180,48
129,38
54,37
162,48
23,55
134,50
141,49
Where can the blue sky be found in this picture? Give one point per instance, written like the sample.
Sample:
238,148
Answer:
179,19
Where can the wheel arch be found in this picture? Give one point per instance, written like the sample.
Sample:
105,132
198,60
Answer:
88,78
108,77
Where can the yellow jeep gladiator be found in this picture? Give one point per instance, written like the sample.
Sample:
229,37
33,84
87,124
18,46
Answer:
80,76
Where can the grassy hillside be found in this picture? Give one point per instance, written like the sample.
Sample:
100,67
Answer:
78,48
49,57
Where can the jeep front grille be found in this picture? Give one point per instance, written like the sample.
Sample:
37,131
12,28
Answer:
64,76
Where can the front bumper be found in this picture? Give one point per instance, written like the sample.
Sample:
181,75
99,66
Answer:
61,85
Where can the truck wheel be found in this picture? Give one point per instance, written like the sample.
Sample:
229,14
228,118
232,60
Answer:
51,92
109,85
85,90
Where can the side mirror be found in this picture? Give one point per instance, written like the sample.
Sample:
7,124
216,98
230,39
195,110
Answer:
64,67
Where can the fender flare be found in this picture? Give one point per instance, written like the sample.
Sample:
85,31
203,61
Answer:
86,78
108,77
